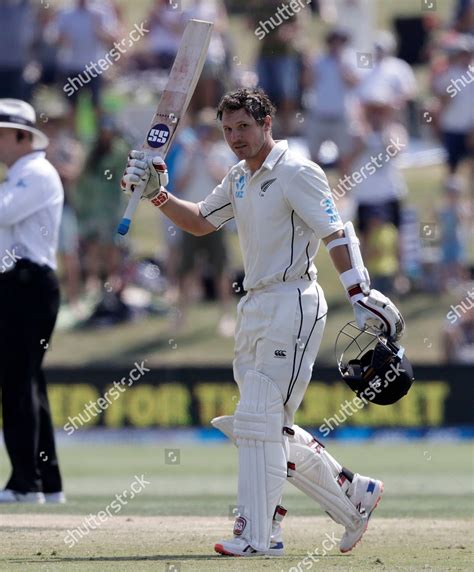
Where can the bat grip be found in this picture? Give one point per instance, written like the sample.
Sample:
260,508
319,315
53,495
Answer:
124,225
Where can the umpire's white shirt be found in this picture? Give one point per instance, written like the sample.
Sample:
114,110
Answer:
31,200
281,212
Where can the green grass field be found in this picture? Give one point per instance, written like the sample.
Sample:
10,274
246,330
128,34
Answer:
424,521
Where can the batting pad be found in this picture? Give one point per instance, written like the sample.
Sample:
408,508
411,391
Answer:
304,438
225,424
315,472
258,432
312,472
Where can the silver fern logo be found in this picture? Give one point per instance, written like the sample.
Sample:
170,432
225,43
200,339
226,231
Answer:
264,186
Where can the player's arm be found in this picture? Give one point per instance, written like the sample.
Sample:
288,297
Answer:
371,308
184,214
309,195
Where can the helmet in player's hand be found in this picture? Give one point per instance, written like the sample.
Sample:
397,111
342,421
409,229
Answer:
374,367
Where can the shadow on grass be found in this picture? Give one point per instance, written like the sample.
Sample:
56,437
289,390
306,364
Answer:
171,558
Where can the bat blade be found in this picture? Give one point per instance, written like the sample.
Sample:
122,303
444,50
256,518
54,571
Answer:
174,101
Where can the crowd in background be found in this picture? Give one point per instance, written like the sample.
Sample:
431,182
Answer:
346,103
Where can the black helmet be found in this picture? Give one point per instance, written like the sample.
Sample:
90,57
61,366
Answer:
375,368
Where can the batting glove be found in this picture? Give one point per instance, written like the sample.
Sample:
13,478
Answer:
376,312
149,169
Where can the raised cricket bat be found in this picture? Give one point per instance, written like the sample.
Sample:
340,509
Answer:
174,101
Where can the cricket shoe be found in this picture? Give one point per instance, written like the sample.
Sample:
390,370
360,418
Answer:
365,494
55,498
11,496
241,547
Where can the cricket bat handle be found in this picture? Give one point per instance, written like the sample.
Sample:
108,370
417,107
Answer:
124,225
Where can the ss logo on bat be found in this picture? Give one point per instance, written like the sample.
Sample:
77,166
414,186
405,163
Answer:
158,135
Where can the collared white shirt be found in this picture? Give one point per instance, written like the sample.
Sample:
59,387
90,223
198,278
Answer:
31,201
281,212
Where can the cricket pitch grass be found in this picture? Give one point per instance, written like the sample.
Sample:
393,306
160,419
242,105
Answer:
424,521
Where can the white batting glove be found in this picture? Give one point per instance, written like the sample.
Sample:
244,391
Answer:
378,313
152,170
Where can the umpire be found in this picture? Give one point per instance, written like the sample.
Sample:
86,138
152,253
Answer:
31,199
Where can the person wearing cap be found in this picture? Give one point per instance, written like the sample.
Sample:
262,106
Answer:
31,200
331,78
201,166
388,73
453,219
373,179
455,92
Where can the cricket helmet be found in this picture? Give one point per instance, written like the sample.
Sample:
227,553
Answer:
375,368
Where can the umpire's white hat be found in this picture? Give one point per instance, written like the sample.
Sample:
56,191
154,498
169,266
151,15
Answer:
18,114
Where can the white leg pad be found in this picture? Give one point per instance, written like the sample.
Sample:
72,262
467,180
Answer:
258,432
304,438
313,466
225,424
313,475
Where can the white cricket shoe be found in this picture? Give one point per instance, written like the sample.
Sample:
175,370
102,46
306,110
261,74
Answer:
55,498
241,547
10,496
365,494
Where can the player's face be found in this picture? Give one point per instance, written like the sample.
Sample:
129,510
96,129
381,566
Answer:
244,135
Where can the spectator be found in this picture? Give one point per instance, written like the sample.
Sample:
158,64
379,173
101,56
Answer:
452,229
66,154
464,17
278,59
83,33
331,78
203,166
45,47
382,253
388,73
166,28
172,235
455,91
210,85
100,207
458,337
374,179
16,32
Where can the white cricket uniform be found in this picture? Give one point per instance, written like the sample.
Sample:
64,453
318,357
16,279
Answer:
31,202
281,213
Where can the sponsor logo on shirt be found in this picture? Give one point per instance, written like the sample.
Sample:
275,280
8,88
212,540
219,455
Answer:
330,210
264,187
240,184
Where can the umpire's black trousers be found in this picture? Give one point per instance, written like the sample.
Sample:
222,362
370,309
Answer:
29,303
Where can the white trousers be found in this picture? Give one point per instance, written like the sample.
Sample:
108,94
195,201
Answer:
278,333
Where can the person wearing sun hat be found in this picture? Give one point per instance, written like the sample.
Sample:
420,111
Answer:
31,200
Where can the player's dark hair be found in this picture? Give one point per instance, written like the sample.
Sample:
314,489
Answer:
22,134
255,102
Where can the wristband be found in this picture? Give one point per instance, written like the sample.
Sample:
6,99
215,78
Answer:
161,198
